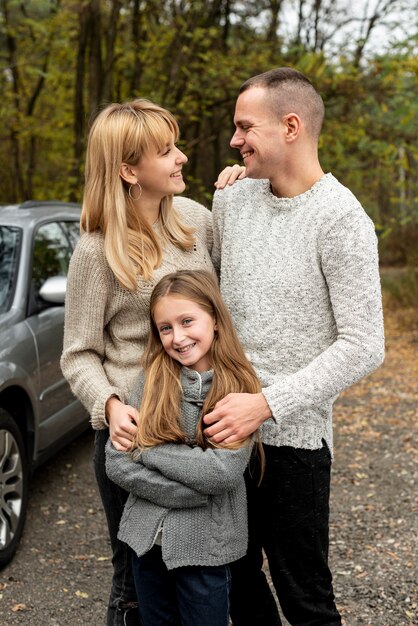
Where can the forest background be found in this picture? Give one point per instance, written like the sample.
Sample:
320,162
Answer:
62,60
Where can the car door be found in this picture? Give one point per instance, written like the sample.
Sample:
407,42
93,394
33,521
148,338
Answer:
58,411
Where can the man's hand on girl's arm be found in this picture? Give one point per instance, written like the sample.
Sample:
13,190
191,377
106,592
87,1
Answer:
236,417
122,420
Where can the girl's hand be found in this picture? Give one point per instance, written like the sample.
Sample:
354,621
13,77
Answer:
122,420
229,175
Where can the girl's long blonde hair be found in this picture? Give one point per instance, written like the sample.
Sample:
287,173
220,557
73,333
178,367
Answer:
123,133
159,414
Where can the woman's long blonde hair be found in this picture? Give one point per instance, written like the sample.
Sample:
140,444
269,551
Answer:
123,133
159,414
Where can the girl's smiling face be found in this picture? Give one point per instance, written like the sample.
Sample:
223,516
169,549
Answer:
186,331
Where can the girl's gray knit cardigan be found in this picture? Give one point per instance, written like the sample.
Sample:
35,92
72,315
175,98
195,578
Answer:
197,495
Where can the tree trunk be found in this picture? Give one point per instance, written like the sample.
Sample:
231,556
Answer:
79,109
94,38
19,191
110,40
136,44
275,8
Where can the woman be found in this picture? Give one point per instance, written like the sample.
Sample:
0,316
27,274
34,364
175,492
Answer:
134,233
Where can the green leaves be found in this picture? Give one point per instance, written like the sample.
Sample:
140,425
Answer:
192,57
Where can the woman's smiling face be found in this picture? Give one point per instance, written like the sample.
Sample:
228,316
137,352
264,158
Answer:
159,172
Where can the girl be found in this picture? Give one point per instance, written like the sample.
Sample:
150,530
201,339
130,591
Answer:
133,234
185,518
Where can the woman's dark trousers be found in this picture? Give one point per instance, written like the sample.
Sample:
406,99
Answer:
122,609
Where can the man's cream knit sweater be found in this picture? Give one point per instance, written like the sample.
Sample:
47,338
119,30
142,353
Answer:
300,278
106,326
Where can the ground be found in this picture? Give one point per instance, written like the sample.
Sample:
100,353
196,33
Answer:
373,506
61,573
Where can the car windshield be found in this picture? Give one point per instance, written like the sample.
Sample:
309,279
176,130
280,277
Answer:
10,237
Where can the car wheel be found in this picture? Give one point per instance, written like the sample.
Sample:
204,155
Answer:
13,486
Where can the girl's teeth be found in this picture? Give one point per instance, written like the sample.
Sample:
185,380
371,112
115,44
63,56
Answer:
186,349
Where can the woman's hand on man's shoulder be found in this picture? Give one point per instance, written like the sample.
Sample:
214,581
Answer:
230,175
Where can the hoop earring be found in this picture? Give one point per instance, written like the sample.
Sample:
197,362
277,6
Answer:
130,191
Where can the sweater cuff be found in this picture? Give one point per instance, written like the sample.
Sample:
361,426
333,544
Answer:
98,414
280,401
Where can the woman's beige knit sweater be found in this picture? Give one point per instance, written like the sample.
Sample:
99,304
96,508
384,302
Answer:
106,326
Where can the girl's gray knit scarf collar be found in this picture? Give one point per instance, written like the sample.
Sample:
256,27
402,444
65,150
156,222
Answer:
195,385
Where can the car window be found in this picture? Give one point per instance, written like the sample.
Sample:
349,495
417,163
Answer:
10,238
51,254
72,230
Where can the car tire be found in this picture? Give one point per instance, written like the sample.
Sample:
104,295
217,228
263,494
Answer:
13,486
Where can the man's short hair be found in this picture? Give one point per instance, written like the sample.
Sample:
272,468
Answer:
291,92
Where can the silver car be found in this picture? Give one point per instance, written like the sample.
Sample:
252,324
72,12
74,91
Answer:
38,413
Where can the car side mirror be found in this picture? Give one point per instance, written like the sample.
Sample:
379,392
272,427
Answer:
53,290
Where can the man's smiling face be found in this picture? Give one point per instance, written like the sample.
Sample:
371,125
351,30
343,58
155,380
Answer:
259,135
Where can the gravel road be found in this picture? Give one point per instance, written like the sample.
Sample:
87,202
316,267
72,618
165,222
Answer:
60,574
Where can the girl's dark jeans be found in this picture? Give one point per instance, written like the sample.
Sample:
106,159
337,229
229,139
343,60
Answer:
122,608
184,596
288,518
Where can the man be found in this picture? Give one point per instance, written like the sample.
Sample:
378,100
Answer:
298,264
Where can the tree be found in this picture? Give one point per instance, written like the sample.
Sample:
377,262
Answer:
25,28
62,60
